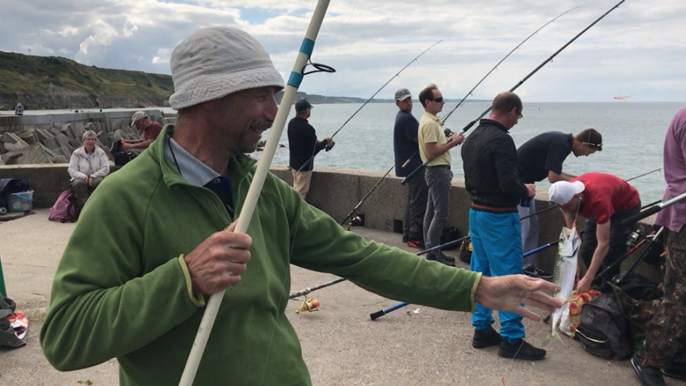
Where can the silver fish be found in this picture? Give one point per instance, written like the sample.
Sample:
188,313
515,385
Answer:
564,274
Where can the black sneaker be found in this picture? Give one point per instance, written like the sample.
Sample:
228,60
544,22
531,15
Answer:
447,258
486,338
675,370
439,258
405,237
647,374
537,273
520,350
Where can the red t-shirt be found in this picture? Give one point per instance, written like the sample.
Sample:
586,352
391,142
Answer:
605,195
152,131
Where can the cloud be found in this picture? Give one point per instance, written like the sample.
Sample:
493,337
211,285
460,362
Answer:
637,49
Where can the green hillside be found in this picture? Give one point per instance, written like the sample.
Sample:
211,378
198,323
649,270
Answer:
50,82
57,83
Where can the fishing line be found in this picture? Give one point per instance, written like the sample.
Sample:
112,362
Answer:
330,70
369,100
502,60
455,108
548,60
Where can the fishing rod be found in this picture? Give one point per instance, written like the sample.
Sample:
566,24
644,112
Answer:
296,77
502,60
385,311
458,105
372,97
311,289
521,82
653,237
654,209
378,314
352,212
630,179
420,253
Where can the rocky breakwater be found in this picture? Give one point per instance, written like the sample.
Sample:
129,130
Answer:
46,144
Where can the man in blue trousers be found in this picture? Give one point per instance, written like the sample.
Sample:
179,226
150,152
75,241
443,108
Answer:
489,159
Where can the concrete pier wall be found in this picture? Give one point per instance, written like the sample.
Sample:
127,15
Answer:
110,119
337,191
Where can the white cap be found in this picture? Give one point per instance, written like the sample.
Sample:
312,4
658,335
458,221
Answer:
137,116
562,192
215,62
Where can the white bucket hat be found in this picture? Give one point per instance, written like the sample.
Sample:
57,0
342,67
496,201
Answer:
562,192
215,62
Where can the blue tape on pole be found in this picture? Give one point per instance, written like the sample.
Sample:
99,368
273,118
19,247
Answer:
295,79
307,47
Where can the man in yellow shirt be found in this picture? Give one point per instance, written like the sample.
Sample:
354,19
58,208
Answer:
435,146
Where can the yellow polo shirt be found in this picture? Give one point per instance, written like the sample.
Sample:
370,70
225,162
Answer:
431,130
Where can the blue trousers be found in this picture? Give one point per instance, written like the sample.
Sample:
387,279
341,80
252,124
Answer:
497,251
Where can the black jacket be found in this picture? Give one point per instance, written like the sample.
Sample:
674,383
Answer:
489,157
302,141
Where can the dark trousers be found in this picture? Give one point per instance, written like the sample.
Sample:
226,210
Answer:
666,334
82,190
417,192
438,178
618,236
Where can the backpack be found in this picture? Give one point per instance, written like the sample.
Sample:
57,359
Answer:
9,186
66,208
9,335
603,329
449,234
120,156
466,251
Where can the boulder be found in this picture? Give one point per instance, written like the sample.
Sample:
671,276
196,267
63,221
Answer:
65,141
75,131
65,151
52,143
104,139
12,143
43,135
36,154
28,136
9,158
66,129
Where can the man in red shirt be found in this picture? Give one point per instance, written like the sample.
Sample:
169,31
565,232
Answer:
604,201
149,132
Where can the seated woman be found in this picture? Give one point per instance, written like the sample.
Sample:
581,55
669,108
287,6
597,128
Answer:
88,166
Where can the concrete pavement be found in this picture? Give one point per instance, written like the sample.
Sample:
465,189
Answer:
412,346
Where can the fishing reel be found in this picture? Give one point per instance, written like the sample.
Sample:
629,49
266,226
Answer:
329,145
447,132
635,236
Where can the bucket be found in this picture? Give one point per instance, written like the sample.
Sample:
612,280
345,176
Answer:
20,202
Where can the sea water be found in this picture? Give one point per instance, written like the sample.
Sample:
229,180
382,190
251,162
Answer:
633,136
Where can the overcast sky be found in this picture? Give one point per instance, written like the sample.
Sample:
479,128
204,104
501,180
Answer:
639,49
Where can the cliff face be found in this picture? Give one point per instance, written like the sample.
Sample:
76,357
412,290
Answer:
58,83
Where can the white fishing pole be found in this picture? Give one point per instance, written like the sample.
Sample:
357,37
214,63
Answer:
246,214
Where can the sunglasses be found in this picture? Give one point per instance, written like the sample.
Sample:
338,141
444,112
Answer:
438,100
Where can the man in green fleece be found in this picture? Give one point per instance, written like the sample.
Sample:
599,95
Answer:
156,239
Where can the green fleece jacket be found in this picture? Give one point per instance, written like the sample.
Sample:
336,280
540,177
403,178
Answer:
122,288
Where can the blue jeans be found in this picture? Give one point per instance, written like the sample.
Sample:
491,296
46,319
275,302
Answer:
497,251
438,178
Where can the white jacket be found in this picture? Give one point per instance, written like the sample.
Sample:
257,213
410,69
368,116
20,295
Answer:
81,166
